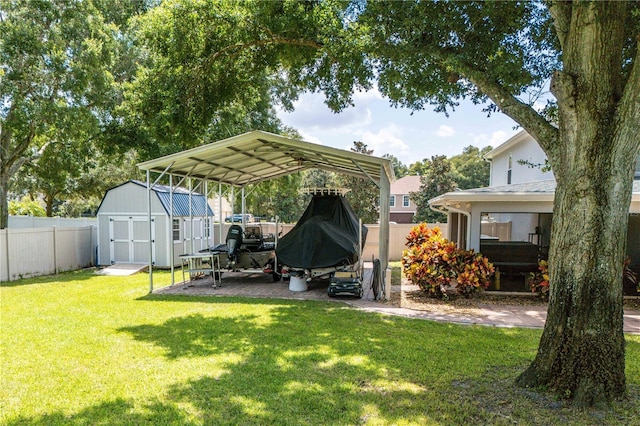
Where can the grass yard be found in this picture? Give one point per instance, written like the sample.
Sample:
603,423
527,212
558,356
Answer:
81,349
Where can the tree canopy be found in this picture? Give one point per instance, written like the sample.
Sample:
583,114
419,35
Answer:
437,178
55,79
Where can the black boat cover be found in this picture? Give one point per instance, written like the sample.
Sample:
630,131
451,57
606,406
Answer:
325,236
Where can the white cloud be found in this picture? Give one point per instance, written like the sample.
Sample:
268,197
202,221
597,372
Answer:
370,95
387,140
445,131
408,136
494,139
498,138
308,137
312,114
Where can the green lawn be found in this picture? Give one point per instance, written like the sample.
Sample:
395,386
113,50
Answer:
82,349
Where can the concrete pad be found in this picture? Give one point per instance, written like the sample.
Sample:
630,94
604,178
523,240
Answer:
261,285
122,269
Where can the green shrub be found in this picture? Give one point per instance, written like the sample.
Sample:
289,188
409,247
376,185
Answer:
440,268
539,280
26,207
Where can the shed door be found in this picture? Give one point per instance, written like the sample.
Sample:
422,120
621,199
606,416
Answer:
128,239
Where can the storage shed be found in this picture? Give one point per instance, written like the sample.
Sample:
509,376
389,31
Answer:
123,226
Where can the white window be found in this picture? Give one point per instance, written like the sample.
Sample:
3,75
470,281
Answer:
509,169
176,229
405,201
392,201
207,229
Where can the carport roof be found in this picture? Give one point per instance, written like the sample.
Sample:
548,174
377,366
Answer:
258,156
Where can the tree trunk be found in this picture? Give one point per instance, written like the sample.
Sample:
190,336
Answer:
48,200
4,202
582,350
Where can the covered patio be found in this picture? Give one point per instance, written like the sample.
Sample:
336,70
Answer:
511,224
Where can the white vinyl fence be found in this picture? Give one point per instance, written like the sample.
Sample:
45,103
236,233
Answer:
27,252
397,236
19,222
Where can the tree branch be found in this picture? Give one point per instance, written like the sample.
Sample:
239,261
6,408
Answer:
561,14
21,161
539,128
627,114
234,49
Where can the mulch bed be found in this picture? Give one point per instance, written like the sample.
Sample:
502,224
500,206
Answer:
414,298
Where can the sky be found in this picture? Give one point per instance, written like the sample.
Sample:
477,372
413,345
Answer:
389,130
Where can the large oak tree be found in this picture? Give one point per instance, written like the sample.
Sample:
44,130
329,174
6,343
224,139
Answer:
61,66
421,54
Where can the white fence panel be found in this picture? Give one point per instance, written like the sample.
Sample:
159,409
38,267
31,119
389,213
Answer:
397,236
20,222
42,251
48,250
75,247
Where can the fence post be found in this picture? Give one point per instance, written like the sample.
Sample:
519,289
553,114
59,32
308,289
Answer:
8,260
55,256
93,250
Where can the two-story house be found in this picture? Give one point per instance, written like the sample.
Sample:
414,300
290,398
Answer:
401,208
516,209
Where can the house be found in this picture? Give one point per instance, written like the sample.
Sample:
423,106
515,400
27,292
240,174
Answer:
123,225
518,160
401,208
510,220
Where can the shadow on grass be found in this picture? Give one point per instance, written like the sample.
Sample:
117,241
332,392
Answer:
300,367
195,335
332,365
117,412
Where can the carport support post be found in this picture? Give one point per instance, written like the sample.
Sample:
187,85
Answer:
243,208
172,246
220,226
383,254
150,233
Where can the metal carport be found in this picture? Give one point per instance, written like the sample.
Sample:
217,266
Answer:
258,156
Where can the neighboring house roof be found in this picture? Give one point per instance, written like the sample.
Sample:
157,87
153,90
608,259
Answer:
405,185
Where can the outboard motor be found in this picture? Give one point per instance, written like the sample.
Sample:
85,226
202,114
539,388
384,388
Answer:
234,241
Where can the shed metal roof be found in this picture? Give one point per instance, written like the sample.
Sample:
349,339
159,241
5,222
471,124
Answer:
258,156
199,205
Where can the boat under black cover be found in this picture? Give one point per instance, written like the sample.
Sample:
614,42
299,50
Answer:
325,236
